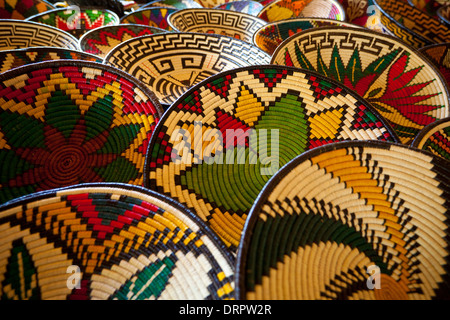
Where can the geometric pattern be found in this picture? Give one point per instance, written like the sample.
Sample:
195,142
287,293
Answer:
101,40
411,24
194,157
286,9
398,81
439,55
65,122
125,243
428,6
170,63
19,10
153,17
10,59
224,22
343,217
364,13
435,138
16,34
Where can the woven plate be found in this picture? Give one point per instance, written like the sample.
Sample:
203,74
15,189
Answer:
286,9
270,36
153,17
170,63
68,122
126,242
249,7
435,138
102,40
443,14
295,108
403,85
10,59
76,21
439,55
18,34
411,24
175,4
224,22
428,6
20,10
339,214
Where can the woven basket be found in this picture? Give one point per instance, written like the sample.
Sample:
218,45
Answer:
428,6
10,59
170,63
353,220
411,24
270,36
175,4
443,14
274,113
153,17
435,138
249,7
109,241
211,3
102,40
439,55
77,21
224,22
286,9
18,34
66,122
20,10
396,79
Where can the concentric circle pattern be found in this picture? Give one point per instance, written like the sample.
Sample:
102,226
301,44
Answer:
109,242
397,80
435,138
10,59
68,122
170,63
218,144
352,220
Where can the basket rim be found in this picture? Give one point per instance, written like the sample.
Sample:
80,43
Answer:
52,49
427,129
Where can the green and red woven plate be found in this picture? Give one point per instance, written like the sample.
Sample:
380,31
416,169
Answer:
10,59
153,17
20,10
435,138
353,220
218,144
67,122
109,242
397,80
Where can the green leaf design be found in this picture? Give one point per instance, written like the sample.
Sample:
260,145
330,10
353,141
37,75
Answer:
22,131
127,171
62,113
99,117
120,138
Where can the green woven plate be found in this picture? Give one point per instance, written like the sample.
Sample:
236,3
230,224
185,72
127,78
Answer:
219,143
352,220
109,241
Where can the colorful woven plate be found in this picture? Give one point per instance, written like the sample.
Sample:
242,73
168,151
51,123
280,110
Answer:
353,220
435,138
67,122
411,24
170,63
224,22
215,170
102,40
443,14
397,80
270,36
76,21
20,10
109,241
286,9
439,55
249,7
153,17
10,59
18,34
175,4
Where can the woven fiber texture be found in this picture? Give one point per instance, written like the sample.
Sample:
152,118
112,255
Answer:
439,55
343,218
396,79
20,10
435,138
175,4
270,36
170,63
224,22
249,7
286,9
153,17
18,34
68,122
10,59
208,150
109,241
102,40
